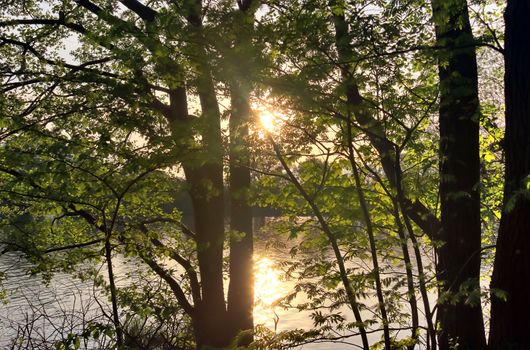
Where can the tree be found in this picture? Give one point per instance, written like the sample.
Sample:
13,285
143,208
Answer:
458,269
347,42
97,143
146,61
509,299
241,288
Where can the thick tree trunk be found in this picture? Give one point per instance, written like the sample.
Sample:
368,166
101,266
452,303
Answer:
241,287
207,194
205,178
458,267
510,323
206,190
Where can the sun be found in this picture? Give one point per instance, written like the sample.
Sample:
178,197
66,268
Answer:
271,121
268,121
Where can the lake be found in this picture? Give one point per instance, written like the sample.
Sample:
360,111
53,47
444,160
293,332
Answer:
31,302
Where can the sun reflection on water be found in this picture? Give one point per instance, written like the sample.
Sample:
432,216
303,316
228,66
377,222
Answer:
269,289
267,281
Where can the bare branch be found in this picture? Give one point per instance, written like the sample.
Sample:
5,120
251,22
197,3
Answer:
74,246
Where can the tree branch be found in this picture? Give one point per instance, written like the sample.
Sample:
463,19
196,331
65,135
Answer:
46,21
74,246
144,12
186,264
173,284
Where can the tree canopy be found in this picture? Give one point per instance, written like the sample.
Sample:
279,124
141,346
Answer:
152,131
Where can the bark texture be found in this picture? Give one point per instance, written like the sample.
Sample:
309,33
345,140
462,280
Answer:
510,324
241,287
204,174
458,267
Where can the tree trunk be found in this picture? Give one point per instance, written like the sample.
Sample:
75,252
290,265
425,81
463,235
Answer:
206,190
431,336
458,267
371,237
241,288
205,178
510,324
411,292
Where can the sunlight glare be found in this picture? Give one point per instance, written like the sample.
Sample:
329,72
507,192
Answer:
268,121
268,287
